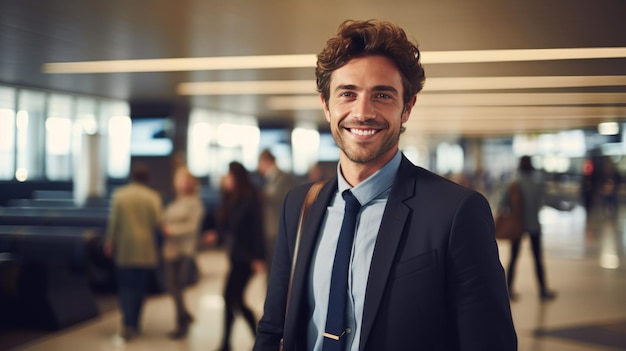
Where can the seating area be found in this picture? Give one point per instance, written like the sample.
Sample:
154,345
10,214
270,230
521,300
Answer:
52,265
45,279
51,261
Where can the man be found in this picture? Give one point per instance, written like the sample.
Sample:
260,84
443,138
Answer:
130,241
532,190
276,184
425,272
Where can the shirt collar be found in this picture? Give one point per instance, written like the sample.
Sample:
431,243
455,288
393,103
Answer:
374,185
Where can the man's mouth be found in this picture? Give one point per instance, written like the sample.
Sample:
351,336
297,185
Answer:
362,132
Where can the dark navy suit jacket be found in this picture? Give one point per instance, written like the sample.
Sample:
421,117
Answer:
435,282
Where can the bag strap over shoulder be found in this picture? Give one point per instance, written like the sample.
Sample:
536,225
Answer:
310,197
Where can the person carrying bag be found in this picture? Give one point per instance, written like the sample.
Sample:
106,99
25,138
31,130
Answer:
509,217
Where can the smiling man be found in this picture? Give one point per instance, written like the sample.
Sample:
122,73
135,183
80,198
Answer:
421,269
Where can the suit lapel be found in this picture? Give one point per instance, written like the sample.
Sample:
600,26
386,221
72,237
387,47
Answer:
389,235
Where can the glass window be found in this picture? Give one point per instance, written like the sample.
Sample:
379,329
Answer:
59,137
116,125
7,133
214,139
199,138
278,141
449,158
306,144
30,135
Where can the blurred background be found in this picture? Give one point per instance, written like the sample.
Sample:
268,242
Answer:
87,88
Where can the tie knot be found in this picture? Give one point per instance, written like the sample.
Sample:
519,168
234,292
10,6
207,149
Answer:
352,204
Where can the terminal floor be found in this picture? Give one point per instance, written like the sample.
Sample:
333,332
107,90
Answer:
585,261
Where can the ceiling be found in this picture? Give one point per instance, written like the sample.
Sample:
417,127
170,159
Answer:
489,97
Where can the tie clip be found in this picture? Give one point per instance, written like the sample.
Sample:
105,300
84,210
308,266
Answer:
333,336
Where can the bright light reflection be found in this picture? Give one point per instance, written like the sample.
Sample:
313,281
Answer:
609,261
212,302
305,143
608,128
449,158
555,163
119,146
198,148
6,129
89,125
21,121
228,135
21,175
58,132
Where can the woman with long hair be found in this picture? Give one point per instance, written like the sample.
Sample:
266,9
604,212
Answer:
240,226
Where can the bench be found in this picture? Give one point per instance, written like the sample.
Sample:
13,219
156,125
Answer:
44,277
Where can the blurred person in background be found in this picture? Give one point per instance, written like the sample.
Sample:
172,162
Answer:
182,219
240,227
135,217
276,184
610,187
532,190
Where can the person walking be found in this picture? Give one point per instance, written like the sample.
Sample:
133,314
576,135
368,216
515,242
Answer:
182,219
276,184
130,240
416,263
240,227
532,190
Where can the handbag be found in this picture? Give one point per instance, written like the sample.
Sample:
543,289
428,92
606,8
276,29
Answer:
310,197
508,220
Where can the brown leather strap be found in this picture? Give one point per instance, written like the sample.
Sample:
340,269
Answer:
311,196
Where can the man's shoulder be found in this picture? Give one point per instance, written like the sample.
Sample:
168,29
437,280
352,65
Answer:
424,180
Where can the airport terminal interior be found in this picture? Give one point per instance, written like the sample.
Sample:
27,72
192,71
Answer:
90,88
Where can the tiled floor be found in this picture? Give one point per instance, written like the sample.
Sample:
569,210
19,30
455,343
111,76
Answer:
584,263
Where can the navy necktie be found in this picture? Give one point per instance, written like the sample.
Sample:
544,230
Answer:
335,320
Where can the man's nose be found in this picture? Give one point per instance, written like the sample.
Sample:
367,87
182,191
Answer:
364,109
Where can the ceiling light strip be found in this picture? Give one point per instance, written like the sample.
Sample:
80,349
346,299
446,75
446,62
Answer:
247,87
309,60
182,64
521,113
431,85
476,56
312,102
532,82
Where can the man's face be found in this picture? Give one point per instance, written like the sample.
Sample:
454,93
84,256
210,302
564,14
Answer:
365,109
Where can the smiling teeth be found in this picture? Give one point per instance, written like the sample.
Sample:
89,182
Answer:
363,131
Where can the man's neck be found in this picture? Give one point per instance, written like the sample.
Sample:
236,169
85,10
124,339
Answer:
355,172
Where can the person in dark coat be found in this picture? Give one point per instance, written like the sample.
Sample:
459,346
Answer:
240,227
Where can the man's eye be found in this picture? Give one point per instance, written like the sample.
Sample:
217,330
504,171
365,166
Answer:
346,93
383,96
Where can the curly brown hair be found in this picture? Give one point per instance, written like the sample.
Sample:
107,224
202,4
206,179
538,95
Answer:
371,38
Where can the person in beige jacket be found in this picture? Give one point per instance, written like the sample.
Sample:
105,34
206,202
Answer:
135,216
182,219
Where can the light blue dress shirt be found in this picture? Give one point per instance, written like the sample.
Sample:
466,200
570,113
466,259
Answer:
372,193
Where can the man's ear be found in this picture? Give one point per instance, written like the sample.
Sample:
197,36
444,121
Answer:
408,108
325,108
